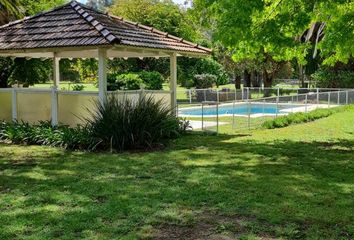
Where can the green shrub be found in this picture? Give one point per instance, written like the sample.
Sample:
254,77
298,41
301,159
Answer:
130,81
152,80
78,87
204,81
328,78
123,124
295,118
44,134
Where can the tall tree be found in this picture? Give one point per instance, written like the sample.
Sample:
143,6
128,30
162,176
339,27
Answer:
268,30
9,9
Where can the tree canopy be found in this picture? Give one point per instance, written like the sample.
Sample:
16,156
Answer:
257,28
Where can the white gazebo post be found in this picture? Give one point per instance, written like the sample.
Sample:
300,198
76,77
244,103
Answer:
56,82
173,81
102,74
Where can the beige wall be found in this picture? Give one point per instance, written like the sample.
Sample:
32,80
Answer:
73,107
33,107
5,106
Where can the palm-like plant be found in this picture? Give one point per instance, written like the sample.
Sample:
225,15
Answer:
9,9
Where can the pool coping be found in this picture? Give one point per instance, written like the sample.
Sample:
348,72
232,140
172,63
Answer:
301,107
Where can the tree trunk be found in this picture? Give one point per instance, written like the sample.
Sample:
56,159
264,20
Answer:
255,79
267,81
237,81
247,78
301,75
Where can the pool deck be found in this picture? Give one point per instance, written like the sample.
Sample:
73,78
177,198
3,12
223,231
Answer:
207,124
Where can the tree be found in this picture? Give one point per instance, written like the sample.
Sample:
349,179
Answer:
163,15
174,19
9,9
270,30
23,70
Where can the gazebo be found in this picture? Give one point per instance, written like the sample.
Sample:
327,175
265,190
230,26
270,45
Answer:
77,31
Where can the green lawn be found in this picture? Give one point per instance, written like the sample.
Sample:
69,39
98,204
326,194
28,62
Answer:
290,183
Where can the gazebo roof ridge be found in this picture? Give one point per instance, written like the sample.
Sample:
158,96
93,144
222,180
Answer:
96,24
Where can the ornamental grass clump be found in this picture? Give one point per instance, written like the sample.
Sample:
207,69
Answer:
125,124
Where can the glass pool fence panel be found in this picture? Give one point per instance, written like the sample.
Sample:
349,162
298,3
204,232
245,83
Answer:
210,117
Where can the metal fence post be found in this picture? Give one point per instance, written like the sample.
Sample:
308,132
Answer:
202,116
54,106
248,93
346,97
277,107
217,117
249,115
329,99
204,95
233,115
242,92
338,103
190,96
217,96
306,103
14,104
318,96
278,93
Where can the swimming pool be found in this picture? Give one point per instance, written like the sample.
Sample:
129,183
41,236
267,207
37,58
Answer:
240,109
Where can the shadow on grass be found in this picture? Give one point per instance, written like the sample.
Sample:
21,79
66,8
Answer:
300,190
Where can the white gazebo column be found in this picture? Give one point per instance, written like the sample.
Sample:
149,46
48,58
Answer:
173,82
102,74
56,71
56,83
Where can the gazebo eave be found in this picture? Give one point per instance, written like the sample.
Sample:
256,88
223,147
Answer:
114,51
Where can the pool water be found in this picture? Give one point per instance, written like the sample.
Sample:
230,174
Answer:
239,109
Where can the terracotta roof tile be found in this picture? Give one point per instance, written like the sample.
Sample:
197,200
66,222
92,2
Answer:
75,24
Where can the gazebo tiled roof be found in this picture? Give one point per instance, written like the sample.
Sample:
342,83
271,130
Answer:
76,25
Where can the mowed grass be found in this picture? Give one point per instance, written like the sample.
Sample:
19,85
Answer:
290,183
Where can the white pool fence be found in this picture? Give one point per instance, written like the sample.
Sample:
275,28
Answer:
248,108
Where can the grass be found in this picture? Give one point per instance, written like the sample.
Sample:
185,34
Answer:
290,183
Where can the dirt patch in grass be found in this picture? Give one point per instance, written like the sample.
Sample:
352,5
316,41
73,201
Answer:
209,226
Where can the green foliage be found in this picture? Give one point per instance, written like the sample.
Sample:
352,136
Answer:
33,7
204,81
44,134
163,15
6,66
130,81
78,87
123,124
152,80
29,72
255,29
329,78
9,10
191,67
295,118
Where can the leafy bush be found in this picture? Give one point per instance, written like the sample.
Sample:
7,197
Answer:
121,125
328,78
152,80
130,81
116,125
295,118
188,68
204,81
78,87
44,134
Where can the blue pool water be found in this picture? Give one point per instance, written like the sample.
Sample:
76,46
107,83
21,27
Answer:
239,109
